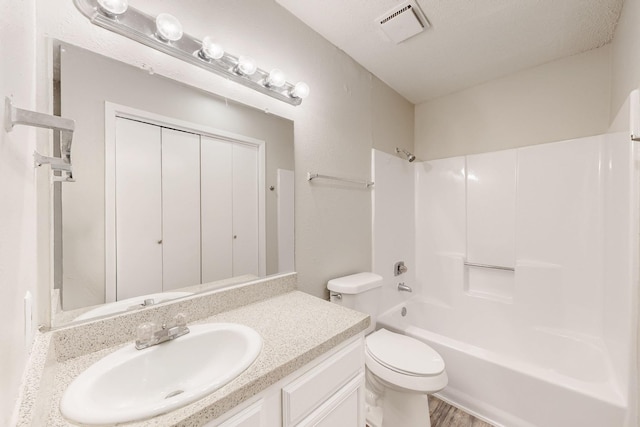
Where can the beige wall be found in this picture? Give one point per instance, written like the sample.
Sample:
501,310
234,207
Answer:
334,129
563,99
18,253
334,133
392,119
625,56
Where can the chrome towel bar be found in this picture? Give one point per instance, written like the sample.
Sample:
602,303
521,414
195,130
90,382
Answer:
312,176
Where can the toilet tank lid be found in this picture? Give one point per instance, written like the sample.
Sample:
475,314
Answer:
355,283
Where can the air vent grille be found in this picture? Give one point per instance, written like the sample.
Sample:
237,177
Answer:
403,10
403,22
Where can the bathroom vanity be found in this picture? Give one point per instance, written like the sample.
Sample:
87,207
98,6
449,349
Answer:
329,392
310,370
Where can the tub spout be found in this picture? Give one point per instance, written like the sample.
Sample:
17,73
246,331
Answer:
404,288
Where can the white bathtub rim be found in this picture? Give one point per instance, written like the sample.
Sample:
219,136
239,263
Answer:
613,395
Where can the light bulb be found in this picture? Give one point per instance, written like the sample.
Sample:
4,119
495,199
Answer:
246,66
275,78
301,90
210,50
113,7
168,27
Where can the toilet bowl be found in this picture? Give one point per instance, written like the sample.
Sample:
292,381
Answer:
400,370
404,363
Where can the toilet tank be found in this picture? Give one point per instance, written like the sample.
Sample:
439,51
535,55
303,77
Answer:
359,292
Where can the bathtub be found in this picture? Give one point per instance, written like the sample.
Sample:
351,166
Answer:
514,378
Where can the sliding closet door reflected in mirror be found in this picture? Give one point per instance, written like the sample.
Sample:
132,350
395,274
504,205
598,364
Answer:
183,216
230,209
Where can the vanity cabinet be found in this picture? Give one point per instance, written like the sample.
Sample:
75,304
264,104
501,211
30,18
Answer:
328,392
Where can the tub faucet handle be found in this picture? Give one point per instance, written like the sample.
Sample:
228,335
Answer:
399,268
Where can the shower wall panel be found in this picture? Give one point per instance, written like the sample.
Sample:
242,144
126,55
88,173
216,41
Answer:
393,220
564,215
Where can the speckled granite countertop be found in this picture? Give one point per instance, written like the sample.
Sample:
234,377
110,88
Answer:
296,328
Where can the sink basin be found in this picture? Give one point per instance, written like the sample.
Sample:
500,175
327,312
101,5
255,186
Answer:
130,384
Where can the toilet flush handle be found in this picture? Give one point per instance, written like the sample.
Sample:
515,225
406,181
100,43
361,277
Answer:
336,295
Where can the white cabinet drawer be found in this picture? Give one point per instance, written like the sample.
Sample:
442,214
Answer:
249,417
305,394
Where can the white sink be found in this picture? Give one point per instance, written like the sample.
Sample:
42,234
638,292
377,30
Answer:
131,384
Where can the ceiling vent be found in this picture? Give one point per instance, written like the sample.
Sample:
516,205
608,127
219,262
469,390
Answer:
403,22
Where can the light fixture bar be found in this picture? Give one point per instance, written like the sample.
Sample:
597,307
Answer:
141,27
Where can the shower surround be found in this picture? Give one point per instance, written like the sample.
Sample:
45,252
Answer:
550,340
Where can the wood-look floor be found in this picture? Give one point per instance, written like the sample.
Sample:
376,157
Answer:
445,415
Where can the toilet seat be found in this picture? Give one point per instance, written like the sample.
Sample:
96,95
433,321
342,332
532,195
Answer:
404,363
404,354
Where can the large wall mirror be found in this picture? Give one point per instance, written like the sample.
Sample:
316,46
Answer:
176,191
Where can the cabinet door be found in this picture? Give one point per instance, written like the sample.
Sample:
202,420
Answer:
245,210
319,387
180,209
343,409
344,414
217,208
138,209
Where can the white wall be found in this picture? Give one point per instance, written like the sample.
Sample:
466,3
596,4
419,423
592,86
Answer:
625,78
18,254
570,234
563,99
393,225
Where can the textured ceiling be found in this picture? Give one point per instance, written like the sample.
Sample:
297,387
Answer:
469,41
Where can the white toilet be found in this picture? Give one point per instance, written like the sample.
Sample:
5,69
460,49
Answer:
401,371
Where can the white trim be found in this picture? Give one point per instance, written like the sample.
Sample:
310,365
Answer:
262,206
113,111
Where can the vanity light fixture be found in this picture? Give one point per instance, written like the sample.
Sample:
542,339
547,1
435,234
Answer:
246,66
210,50
300,90
275,78
113,7
168,28
164,33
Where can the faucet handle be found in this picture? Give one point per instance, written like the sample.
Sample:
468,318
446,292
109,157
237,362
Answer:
180,319
399,268
144,333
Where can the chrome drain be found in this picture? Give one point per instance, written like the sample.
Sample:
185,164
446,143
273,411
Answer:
174,393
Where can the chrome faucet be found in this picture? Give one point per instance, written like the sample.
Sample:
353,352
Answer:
403,287
149,334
